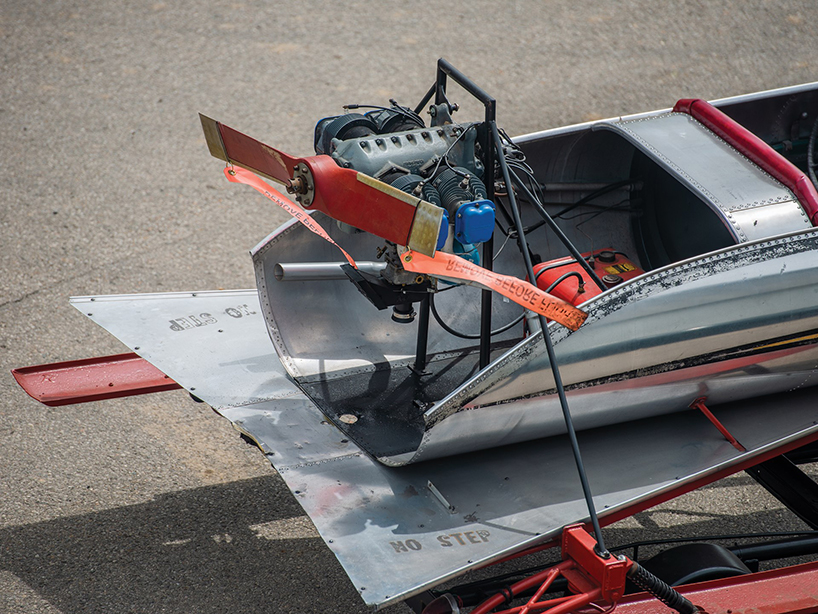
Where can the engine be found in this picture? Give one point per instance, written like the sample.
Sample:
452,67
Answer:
439,164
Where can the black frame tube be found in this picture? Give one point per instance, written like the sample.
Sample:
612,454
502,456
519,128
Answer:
557,230
423,336
492,146
426,98
444,71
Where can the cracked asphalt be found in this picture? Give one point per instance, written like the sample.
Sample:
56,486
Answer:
154,504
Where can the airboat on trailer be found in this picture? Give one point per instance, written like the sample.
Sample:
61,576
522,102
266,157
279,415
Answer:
429,427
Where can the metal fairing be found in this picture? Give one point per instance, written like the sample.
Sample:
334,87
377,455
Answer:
328,330
430,521
751,204
754,111
730,325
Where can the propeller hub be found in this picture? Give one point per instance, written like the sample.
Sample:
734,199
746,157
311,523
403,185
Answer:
297,186
302,184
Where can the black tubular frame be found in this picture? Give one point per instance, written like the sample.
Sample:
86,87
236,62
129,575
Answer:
492,149
438,90
445,70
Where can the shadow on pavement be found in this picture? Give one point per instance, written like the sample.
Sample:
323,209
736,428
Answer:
199,550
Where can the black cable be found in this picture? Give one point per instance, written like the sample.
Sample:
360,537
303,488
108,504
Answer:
456,333
557,230
595,194
459,136
536,188
811,155
585,201
602,209
606,209
562,278
710,538
506,232
405,111
600,549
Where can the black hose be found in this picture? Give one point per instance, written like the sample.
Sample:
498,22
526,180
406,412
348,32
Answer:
554,227
562,278
457,333
659,589
595,194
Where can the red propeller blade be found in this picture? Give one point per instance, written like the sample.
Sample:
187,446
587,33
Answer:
236,148
343,194
371,205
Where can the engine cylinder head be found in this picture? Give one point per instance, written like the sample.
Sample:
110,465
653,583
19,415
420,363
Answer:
458,186
408,183
348,126
395,120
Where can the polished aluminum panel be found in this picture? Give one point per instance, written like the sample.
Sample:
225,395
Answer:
395,536
392,534
221,334
729,105
652,345
327,329
770,220
718,174
581,154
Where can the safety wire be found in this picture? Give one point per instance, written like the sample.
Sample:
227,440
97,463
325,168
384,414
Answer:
446,154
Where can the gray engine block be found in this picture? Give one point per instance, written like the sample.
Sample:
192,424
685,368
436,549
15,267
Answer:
412,150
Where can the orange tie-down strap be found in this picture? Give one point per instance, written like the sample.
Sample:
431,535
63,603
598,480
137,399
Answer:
521,292
236,174
441,265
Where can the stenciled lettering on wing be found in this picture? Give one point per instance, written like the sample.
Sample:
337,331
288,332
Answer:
447,540
192,322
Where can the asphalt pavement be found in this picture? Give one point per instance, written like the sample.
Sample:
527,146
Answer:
154,504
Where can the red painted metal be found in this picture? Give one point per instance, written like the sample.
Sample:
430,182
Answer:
568,290
255,155
699,404
591,578
756,150
92,379
607,573
789,590
346,195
